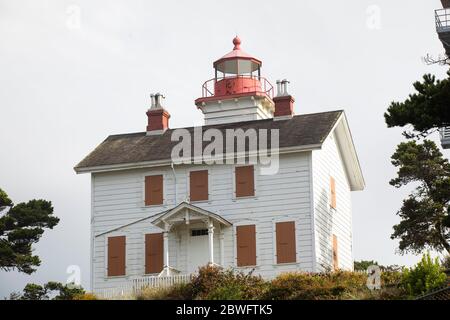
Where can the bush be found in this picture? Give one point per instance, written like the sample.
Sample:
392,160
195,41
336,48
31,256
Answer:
308,286
446,262
175,292
214,283
391,278
85,296
424,277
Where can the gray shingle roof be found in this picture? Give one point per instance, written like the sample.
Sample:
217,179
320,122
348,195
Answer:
301,130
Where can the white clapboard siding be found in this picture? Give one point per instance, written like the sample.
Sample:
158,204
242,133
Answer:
118,200
327,163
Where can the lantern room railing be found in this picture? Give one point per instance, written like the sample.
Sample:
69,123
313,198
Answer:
442,20
445,137
209,88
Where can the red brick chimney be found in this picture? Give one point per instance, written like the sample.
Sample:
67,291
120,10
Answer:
158,117
284,102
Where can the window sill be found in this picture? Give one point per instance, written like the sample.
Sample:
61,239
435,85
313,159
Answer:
116,277
246,197
285,264
154,205
200,201
247,267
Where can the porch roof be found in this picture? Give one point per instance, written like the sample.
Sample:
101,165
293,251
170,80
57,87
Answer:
170,215
165,216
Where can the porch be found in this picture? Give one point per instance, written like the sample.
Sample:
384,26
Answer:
192,237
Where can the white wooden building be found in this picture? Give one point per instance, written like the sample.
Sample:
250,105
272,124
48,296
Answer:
153,219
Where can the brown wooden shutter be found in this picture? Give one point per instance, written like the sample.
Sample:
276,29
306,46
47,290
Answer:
154,190
116,256
285,235
333,192
245,181
154,247
198,185
335,253
246,245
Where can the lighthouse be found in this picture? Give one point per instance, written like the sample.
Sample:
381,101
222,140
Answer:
237,92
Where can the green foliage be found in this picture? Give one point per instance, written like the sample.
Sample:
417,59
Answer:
21,226
363,264
34,292
391,278
58,290
5,201
213,282
446,262
320,286
85,296
175,292
424,277
424,110
424,214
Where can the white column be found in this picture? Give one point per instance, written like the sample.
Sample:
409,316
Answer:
166,249
211,242
222,248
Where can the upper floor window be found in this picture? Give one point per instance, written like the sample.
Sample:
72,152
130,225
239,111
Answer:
154,190
198,185
332,193
245,181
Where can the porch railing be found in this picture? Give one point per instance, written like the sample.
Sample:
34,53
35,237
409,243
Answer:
208,88
135,285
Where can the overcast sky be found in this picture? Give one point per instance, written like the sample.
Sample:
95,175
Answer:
73,72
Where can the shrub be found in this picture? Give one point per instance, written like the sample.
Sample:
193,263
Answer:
307,286
175,292
363,264
391,278
446,262
85,296
214,282
424,277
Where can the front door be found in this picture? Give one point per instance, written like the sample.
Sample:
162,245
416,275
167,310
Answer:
198,249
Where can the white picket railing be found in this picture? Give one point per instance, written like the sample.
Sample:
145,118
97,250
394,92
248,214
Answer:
137,284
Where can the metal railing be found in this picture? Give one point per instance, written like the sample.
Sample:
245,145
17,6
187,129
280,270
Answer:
266,87
445,133
442,17
445,137
134,286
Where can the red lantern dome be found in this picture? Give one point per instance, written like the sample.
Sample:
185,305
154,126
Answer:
236,74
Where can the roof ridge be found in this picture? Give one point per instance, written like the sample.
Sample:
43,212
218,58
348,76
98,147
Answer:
224,124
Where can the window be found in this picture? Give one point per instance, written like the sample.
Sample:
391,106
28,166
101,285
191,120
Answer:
332,193
199,232
154,246
198,185
246,245
154,190
285,238
116,256
245,181
335,253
